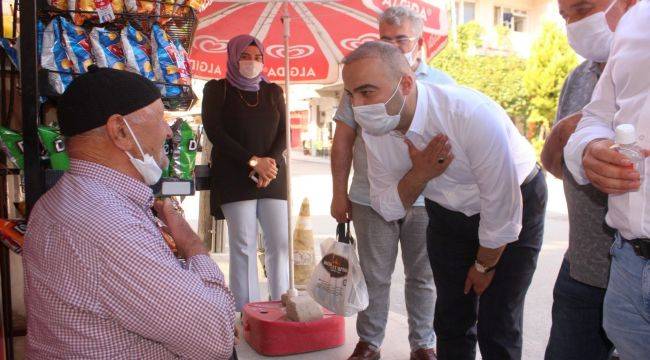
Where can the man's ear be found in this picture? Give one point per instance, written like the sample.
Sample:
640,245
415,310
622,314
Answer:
421,42
408,84
118,133
628,4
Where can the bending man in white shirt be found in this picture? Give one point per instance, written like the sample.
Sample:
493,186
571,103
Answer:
622,96
476,244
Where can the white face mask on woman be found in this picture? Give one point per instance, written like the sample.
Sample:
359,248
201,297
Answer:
250,68
374,118
147,167
591,37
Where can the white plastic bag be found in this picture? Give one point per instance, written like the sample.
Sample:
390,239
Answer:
337,282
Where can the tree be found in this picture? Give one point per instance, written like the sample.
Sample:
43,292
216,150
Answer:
499,77
550,62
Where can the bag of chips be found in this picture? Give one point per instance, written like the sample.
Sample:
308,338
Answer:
181,11
55,146
11,143
10,50
169,145
12,234
55,58
40,29
164,11
102,10
183,63
184,150
77,46
140,6
137,51
165,65
58,4
107,48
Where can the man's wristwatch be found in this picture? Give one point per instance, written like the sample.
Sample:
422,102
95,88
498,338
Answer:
252,162
482,268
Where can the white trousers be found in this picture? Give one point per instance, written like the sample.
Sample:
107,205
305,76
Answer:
242,218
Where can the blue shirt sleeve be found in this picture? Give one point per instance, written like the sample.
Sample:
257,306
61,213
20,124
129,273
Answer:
344,112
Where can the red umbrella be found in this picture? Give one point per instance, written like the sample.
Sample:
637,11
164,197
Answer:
322,33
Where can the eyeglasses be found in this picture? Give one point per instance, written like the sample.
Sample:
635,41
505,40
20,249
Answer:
400,41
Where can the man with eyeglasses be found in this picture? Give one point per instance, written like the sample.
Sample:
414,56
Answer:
378,239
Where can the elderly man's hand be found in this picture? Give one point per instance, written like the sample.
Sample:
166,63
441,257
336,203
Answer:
187,241
608,170
433,160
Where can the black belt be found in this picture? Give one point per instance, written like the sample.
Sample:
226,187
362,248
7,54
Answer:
532,175
641,247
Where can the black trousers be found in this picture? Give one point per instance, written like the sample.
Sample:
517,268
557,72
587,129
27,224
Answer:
495,319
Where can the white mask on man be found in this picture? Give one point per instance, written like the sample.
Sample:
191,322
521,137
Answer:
374,118
591,37
250,68
411,57
147,167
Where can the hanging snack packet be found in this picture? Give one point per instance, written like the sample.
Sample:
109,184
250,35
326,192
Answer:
40,28
10,50
102,10
12,145
55,58
77,46
181,11
55,146
12,234
169,153
197,5
184,151
140,6
183,64
164,11
164,61
58,4
137,52
107,48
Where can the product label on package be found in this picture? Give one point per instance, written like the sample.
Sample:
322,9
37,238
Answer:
104,11
337,266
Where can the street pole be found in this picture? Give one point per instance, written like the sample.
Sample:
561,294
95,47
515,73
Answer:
286,19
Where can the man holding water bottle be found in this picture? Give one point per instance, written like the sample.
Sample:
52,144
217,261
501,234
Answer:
622,96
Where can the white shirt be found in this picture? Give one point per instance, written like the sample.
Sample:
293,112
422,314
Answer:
491,160
622,96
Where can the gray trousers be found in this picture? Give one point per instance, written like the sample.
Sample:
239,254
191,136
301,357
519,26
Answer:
242,218
377,242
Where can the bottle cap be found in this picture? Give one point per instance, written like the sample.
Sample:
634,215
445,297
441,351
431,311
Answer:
625,134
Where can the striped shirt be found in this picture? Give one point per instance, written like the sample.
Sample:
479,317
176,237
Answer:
101,283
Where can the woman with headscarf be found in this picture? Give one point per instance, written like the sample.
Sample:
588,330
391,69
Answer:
244,117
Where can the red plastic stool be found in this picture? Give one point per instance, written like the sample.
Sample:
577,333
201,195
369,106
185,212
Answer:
270,333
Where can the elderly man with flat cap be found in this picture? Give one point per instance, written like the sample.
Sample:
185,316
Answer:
100,281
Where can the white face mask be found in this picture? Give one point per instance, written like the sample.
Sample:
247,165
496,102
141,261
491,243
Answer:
374,118
147,167
250,68
591,37
410,56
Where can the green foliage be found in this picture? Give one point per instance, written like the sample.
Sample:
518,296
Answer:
469,36
550,62
499,77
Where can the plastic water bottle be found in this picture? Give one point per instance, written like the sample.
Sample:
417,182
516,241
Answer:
626,145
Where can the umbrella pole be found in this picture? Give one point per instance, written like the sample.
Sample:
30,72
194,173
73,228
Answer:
286,21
